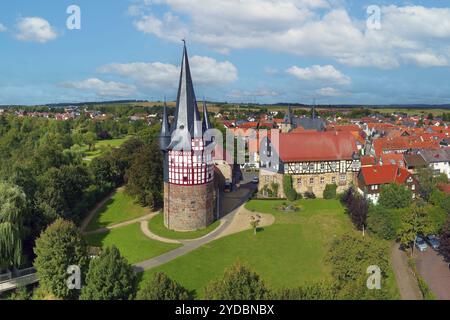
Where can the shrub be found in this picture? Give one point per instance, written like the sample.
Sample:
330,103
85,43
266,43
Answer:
379,222
315,291
289,191
161,287
238,283
330,191
310,195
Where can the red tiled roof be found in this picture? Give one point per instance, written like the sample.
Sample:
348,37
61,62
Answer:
404,143
343,127
367,161
384,174
316,146
444,187
248,125
393,158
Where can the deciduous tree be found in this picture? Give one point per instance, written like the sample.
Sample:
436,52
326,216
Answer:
395,196
13,206
238,283
59,246
110,277
161,287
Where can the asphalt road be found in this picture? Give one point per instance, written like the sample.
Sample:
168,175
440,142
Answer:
435,272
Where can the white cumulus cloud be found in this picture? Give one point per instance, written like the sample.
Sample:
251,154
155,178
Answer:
205,70
326,73
328,92
301,27
426,59
35,29
2,27
101,88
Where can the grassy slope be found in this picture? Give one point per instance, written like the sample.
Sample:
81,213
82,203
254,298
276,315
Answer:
156,225
119,208
131,242
288,253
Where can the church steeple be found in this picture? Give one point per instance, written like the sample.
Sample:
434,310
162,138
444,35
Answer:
314,109
186,114
164,136
288,117
206,125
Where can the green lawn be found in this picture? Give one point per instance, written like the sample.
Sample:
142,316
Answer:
119,208
286,254
101,146
132,243
156,225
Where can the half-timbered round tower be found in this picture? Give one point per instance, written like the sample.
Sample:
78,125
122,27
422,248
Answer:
189,192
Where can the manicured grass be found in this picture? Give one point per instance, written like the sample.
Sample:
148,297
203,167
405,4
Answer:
119,208
287,254
156,225
131,242
101,146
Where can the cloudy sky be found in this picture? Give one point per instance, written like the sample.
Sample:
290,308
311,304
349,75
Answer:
334,51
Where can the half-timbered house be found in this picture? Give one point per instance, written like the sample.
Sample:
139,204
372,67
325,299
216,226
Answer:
313,159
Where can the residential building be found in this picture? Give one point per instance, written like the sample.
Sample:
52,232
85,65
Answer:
313,159
371,179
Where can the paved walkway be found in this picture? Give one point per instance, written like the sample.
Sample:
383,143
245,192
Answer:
407,283
235,201
436,273
93,212
241,222
121,224
146,231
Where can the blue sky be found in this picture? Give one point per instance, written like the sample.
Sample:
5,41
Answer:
241,51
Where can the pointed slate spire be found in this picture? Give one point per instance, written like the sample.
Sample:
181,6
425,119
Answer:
186,114
164,136
288,117
314,109
206,123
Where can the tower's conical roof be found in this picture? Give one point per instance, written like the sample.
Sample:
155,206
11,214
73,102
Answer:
288,117
186,114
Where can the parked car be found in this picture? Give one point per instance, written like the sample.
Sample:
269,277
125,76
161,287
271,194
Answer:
255,180
421,244
433,241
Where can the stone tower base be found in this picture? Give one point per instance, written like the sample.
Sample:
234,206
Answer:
189,208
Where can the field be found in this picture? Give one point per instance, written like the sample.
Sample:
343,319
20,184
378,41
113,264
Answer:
131,242
101,146
156,225
120,207
288,253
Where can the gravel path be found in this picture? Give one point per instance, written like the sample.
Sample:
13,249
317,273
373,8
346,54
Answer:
407,283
